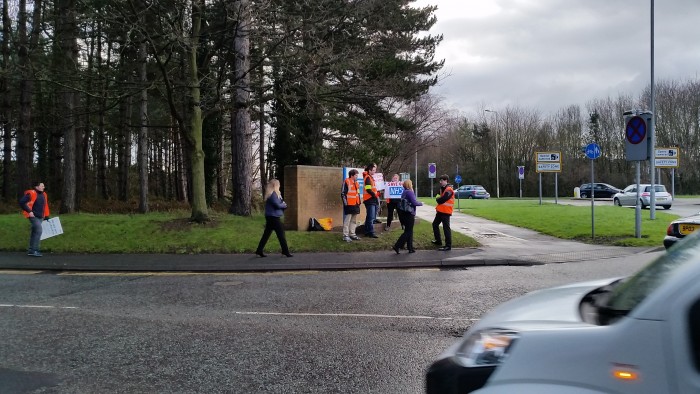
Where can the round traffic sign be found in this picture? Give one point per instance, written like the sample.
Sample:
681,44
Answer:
636,130
593,151
458,178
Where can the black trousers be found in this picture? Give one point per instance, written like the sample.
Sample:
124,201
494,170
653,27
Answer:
273,223
391,207
445,220
406,238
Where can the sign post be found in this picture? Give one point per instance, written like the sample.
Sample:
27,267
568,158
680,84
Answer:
668,158
592,152
458,180
637,148
432,170
521,176
548,162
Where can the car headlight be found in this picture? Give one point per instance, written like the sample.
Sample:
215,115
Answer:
487,347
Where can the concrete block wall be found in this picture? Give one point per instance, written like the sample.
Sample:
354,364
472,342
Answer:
312,191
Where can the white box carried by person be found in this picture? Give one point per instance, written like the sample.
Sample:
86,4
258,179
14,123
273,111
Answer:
51,228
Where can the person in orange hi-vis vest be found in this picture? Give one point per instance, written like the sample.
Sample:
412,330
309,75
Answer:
350,194
35,207
370,196
446,202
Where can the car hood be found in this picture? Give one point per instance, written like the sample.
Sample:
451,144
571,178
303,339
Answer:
549,308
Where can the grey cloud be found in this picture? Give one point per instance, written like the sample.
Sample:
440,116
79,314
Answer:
552,53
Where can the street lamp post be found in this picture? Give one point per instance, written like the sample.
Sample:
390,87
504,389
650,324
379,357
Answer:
498,191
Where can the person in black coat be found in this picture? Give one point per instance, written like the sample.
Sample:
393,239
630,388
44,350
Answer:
274,209
407,218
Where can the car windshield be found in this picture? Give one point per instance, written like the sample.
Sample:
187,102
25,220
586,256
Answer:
657,188
634,290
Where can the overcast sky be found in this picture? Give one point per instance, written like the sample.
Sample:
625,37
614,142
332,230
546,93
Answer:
547,54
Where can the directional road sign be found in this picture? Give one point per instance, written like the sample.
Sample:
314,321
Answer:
458,178
432,170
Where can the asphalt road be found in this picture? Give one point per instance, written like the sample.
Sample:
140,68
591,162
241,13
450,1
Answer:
296,332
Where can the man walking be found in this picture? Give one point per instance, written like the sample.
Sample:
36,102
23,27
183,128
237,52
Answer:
446,202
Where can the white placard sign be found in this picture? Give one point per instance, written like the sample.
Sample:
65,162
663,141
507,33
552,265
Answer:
393,190
51,228
378,180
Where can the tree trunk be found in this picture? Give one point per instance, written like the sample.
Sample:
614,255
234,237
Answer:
124,148
6,114
241,135
200,212
143,132
25,137
261,153
124,132
66,33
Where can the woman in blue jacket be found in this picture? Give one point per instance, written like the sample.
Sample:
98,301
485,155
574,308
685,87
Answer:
274,209
407,218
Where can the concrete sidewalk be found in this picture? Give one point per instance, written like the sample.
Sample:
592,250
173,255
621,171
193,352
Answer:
501,245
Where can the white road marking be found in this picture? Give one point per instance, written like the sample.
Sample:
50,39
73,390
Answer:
37,306
351,315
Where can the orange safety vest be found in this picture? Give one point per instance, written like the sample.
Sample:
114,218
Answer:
447,206
32,198
366,196
353,194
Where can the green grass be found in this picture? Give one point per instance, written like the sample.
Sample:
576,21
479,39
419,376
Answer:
613,225
171,232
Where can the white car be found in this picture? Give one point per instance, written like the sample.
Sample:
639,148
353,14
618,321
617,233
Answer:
636,335
628,196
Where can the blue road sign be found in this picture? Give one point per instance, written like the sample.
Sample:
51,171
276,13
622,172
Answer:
592,151
458,178
636,130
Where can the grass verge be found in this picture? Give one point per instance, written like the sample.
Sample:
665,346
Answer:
613,225
171,232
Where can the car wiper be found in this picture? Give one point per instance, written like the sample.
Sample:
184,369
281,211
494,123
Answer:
595,309
608,315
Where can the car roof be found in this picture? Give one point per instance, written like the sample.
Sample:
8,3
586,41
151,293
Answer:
599,183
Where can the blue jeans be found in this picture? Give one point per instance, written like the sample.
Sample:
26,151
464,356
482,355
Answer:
35,236
369,219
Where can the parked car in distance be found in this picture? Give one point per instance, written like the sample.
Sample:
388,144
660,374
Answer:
471,191
681,227
600,190
638,335
628,197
